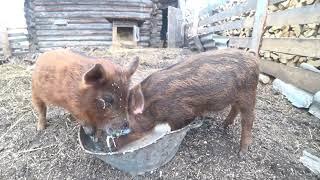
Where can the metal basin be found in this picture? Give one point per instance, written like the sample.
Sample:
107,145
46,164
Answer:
143,159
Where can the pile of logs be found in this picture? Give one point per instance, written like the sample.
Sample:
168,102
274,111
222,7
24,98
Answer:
156,24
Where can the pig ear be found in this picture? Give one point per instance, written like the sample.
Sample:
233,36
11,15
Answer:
133,66
136,100
95,75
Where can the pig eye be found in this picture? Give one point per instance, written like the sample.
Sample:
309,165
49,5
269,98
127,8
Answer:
105,102
108,100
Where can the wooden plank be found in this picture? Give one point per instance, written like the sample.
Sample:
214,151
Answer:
18,30
18,39
48,21
239,42
304,79
5,44
276,1
75,38
302,15
244,23
209,45
258,26
175,37
75,27
17,35
198,43
45,44
73,32
234,11
20,45
93,14
299,46
136,33
86,2
311,161
116,8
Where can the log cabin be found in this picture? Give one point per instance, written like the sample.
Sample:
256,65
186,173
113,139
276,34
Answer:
100,23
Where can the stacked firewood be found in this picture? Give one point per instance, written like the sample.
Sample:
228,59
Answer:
287,31
292,31
156,24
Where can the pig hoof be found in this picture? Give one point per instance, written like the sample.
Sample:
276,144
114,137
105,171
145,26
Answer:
242,155
41,127
227,125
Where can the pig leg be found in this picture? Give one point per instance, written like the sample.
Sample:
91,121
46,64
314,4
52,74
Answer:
41,107
247,118
231,117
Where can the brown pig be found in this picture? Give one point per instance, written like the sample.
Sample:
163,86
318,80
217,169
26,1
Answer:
209,81
95,91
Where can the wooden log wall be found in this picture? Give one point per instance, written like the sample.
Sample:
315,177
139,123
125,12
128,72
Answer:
18,42
64,23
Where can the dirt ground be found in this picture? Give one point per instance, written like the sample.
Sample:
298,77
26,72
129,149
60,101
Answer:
281,132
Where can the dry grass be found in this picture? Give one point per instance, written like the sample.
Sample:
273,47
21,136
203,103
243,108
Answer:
281,132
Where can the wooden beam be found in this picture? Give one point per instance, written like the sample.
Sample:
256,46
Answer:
106,27
276,1
258,27
85,8
73,32
302,15
48,21
198,43
240,42
244,23
5,42
94,14
298,46
234,11
96,2
311,161
304,79
45,44
75,38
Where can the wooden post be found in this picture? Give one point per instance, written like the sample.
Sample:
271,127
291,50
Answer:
175,32
195,35
258,26
5,42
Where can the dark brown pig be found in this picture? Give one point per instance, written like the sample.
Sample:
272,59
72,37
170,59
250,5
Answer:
210,81
95,91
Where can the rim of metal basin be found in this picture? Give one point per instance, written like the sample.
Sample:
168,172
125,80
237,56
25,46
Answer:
192,125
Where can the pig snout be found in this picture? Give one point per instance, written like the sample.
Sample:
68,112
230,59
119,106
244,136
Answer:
118,128
89,130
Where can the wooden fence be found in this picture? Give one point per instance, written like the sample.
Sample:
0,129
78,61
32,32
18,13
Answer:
203,35
13,41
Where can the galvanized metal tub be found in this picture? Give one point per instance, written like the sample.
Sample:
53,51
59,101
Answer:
143,159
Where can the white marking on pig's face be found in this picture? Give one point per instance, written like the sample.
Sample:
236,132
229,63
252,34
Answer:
163,127
138,111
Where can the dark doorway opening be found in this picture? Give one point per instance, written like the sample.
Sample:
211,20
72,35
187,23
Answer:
164,27
125,33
